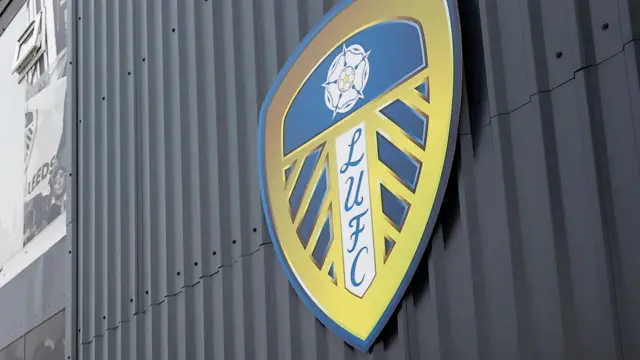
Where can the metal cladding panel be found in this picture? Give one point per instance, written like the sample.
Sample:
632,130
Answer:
534,253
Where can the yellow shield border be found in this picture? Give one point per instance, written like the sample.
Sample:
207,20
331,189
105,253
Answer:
364,344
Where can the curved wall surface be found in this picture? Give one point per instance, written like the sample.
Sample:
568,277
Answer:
534,253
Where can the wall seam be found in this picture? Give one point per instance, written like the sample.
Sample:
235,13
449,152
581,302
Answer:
580,69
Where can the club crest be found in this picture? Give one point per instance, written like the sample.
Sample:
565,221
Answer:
356,141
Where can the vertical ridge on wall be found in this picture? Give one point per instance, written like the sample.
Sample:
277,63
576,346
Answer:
533,256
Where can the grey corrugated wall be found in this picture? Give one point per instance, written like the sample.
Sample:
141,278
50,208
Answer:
535,253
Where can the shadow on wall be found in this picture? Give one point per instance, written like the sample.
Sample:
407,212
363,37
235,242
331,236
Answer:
473,114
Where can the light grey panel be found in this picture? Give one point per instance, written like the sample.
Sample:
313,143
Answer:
34,295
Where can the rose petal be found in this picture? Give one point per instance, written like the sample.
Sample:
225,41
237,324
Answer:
348,106
331,95
355,53
347,97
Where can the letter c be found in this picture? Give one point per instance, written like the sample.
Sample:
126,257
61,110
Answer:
353,267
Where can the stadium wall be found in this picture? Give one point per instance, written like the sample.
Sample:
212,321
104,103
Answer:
534,253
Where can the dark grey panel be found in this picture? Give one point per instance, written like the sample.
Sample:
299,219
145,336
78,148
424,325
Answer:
47,341
537,45
15,351
630,16
533,254
34,295
621,197
3,5
8,11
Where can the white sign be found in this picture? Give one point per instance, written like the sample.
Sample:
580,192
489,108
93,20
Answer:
32,185
12,102
355,210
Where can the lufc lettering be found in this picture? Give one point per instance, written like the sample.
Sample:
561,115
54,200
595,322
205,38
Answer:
355,200
40,175
355,210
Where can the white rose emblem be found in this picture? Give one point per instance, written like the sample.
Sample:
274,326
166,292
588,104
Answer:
347,77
